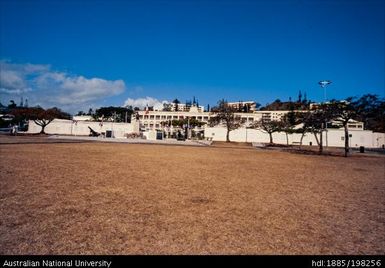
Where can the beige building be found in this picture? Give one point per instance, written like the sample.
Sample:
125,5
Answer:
250,106
152,119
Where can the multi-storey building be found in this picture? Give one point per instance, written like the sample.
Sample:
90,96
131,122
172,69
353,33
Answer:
185,107
152,120
244,106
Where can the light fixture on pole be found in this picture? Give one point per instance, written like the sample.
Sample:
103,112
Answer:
323,84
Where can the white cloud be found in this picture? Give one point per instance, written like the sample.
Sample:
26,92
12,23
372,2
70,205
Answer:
11,80
53,88
143,102
77,89
15,91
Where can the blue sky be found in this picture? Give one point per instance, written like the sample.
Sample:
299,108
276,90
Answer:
77,54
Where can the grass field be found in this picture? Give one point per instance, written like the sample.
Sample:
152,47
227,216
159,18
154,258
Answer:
100,198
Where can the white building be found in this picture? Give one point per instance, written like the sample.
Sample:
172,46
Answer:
152,121
249,106
332,137
81,128
183,107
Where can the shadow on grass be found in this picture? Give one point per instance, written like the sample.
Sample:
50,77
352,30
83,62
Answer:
328,151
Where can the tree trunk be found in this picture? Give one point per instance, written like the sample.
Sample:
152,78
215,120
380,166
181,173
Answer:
42,129
316,138
287,138
43,123
346,140
228,135
271,137
300,141
319,142
321,148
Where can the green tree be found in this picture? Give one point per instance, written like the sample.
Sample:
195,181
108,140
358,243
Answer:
176,102
116,114
302,119
167,107
314,121
268,126
12,104
371,111
40,116
288,122
343,112
225,115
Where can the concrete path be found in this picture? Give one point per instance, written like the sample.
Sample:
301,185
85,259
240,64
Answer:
135,141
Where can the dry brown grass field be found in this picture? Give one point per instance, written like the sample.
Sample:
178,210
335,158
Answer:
103,198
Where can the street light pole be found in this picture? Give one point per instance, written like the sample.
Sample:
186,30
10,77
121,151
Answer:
323,84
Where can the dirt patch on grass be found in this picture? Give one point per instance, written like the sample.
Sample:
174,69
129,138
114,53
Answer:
98,198
231,144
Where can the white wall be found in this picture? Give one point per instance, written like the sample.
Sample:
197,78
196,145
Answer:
365,138
69,127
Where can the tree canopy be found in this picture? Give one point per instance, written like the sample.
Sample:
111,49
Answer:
371,110
278,105
268,126
116,114
39,115
225,114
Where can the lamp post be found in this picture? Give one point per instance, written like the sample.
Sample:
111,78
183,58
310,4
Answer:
323,84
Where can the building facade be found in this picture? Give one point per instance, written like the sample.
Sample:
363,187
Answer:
244,106
82,128
153,123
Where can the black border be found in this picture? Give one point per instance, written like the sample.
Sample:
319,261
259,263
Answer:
199,260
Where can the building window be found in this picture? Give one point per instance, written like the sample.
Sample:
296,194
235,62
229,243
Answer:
151,117
206,118
146,117
163,117
342,138
157,117
169,117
